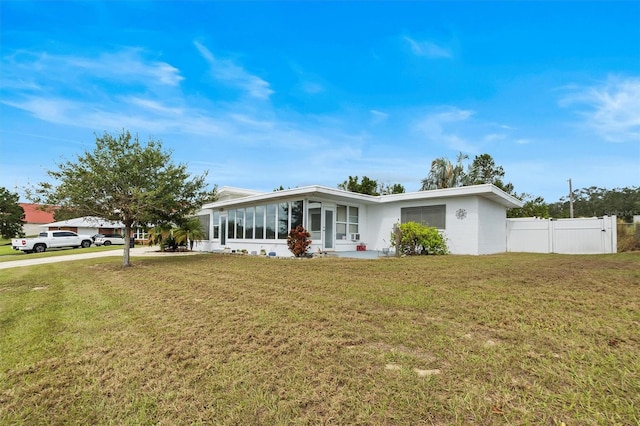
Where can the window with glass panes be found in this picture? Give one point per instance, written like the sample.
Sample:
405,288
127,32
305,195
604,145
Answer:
270,226
259,221
248,222
216,225
231,224
271,221
347,221
204,223
427,215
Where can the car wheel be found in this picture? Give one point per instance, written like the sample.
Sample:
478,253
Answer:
107,243
86,243
39,248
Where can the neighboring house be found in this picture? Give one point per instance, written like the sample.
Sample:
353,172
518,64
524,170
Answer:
87,225
34,218
473,218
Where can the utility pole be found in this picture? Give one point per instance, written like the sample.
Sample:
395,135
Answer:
570,200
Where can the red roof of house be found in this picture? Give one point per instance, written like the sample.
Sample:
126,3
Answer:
34,214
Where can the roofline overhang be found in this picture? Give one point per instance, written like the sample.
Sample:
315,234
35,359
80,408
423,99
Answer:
488,191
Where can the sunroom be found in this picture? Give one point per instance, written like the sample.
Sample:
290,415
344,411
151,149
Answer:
260,223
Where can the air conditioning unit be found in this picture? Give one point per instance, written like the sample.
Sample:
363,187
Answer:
355,237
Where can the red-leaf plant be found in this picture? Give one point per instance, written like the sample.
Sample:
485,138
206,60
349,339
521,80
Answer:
298,241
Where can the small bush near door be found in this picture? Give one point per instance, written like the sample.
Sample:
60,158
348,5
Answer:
413,238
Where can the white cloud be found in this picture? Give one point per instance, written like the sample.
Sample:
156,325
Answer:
428,49
155,106
612,108
492,137
312,88
437,128
378,116
224,70
126,65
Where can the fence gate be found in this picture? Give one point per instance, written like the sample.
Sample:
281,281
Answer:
567,236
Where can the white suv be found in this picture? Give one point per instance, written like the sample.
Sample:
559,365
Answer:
108,239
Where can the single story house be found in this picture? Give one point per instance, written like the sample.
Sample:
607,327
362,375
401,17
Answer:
87,225
34,217
472,218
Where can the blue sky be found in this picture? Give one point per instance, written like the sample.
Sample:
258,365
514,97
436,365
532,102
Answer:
263,94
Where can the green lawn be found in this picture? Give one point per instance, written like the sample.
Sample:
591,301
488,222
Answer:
214,339
9,254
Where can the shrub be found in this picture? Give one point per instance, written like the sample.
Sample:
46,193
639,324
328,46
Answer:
628,236
298,241
413,238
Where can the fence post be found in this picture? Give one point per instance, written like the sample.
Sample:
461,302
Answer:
614,234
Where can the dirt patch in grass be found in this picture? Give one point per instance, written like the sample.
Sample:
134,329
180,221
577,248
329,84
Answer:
518,339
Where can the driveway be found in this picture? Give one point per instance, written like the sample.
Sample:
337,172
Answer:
135,252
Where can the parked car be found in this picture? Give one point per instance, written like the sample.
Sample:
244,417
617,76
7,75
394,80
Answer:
51,239
108,239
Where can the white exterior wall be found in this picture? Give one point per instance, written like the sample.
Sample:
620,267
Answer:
461,234
32,228
492,229
380,222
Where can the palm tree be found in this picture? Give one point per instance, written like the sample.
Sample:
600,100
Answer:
159,234
444,174
189,230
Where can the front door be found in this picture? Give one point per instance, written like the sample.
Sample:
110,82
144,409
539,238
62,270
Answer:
329,234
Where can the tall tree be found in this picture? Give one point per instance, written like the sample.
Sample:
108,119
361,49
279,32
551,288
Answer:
595,201
11,214
370,186
189,230
366,186
483,169
124,180
387,189
444,174
533,207
60,214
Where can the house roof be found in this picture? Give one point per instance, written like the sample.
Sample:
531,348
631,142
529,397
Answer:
487,191
33,213
87,222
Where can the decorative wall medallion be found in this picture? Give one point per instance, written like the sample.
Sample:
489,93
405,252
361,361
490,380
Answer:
461,213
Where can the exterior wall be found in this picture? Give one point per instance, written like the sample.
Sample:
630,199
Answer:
31,228
566,236
492,230
462,225
461,233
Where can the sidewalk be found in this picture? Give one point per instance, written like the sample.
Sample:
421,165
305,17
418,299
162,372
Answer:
135,252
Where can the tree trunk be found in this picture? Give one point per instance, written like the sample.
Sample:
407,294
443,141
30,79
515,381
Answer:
126,257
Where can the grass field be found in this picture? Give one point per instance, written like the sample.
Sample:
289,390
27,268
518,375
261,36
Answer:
231,340
9,254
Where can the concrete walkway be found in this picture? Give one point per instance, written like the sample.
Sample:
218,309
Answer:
25,260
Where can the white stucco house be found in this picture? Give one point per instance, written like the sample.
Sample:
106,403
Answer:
473,218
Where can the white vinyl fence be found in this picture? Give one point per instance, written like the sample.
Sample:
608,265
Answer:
568,236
